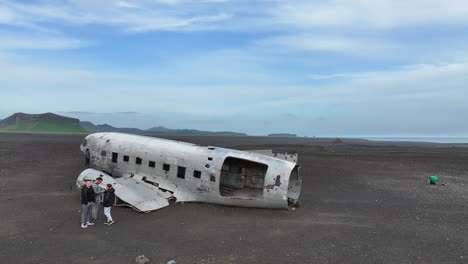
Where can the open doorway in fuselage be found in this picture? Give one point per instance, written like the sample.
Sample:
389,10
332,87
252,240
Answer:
242,178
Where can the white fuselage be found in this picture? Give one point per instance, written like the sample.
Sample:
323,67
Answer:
195,173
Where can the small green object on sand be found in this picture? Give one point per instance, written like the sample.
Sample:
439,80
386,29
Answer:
432,179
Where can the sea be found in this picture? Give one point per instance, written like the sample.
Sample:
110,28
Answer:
422,139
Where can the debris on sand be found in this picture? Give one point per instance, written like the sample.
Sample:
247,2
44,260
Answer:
338,141
432,180
141,259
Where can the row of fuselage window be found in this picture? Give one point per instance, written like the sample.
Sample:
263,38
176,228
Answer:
152,164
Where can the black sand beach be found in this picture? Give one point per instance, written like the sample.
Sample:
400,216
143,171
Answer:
361,202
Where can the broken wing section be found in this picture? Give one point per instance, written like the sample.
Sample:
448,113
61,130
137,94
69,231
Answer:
141,196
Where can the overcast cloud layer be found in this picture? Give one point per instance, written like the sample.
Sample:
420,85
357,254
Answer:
315,68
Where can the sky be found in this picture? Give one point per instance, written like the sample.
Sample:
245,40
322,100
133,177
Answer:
313,68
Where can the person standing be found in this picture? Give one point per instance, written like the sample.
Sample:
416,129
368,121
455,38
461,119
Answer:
87,201
109,200
98,198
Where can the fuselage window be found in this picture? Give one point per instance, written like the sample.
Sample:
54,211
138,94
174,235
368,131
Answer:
197,174
210,158
151,164
126,158
103,153
212,178
166,167
181,172
114,157
138,160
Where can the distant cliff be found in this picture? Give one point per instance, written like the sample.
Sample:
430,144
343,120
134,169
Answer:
282,135
47,122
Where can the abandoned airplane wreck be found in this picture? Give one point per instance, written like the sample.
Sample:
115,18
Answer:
147,172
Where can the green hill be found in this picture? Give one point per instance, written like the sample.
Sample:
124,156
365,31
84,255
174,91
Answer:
47,122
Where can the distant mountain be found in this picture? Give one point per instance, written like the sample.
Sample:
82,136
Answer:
282,135
108,128
160,130
164,130
47,122
53,123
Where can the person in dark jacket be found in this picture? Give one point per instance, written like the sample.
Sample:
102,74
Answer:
87,201
109,201
97,198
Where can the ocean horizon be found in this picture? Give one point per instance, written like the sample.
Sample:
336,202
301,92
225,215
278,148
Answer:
420,139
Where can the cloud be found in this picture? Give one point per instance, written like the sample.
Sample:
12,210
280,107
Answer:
31,74
126,4
167,23
329,43
422,99
336,75
419,99
21,70
6,16
273,16
369,13
34,41
134,16
424,85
